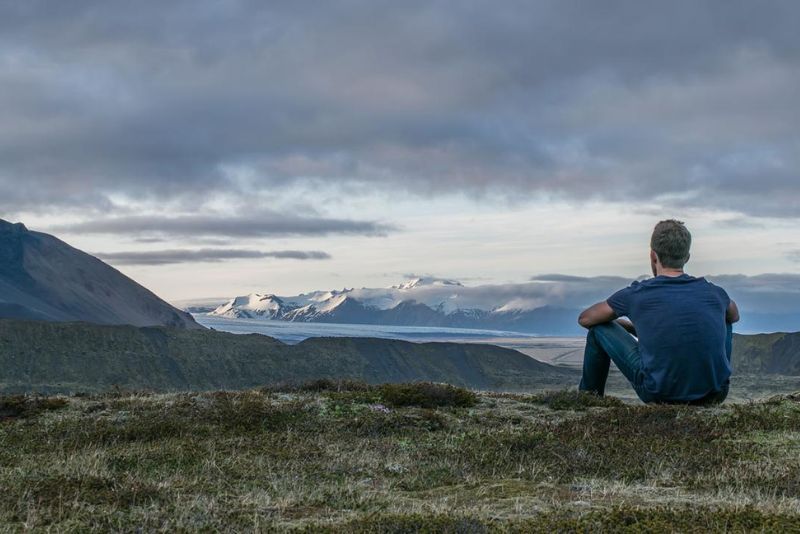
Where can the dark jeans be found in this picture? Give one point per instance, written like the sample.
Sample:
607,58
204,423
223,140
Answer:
609,341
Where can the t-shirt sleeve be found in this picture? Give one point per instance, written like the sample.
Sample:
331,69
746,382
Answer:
723,295
620,301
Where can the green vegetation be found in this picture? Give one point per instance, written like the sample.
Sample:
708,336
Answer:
421,394
21,406
426,395
348,456
777,353
571,399
617,519
40,357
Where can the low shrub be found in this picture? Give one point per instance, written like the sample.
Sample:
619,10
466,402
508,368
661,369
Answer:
663,519
567,399
421,394
90,489
375,424
243,412
398,524
120,392
765,416
621,519
22,406
319,385
427,395
629,443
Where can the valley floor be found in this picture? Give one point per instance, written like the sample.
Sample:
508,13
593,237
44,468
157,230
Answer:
356,458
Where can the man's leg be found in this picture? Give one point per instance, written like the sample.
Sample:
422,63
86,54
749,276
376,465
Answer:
719,396
604,343
729,341
595,365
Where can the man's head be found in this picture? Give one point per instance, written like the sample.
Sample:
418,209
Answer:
670,244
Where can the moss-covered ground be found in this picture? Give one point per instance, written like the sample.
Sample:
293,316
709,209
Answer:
356,458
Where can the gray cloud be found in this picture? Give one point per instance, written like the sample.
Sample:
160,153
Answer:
264,224
684,102
164,257
615,280
768,302
428,277
794,255
775,292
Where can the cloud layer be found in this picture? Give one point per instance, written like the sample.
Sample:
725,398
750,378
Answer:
164,257
765,293
255,225
768,302
687,103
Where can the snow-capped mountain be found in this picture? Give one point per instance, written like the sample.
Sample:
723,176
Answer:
424,301
547,304
427,281
251,306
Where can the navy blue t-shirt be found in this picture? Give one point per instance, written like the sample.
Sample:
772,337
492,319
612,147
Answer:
680,323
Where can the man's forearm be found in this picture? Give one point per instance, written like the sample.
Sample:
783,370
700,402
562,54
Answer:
597,314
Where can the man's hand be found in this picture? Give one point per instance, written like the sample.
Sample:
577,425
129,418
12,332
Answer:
732,313
627,325
597,314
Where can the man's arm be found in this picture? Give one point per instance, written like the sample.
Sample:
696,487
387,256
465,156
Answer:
597,314
732,313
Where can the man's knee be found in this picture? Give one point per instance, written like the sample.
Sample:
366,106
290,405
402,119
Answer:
610,325
592,332
597,331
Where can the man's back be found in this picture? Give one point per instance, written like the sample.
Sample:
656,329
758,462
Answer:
681,326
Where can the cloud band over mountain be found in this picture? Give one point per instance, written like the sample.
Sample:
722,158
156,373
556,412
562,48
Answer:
165,257
264,224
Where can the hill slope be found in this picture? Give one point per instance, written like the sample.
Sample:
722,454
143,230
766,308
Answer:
767,353
41,356
43,278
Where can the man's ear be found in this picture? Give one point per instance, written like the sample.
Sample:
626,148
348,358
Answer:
653,257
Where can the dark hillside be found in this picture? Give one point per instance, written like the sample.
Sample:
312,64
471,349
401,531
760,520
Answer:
43,278
767,353
52,357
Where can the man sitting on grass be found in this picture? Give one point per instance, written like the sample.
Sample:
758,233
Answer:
683,325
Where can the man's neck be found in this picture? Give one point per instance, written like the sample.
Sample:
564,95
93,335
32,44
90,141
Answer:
670,272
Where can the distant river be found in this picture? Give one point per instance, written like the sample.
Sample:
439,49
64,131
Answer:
567,351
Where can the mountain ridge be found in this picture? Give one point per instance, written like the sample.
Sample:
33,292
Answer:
543,305
774,353
66,357
416,303
44,278
62,357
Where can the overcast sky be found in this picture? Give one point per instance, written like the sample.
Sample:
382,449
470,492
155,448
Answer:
212,148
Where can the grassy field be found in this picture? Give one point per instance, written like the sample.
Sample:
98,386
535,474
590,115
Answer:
355,458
